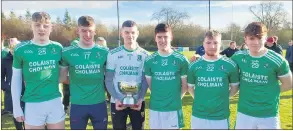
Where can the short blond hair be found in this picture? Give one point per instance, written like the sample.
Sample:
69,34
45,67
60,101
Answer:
41,17
212,34
103,40
12,45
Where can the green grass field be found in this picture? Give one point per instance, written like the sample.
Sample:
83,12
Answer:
285,111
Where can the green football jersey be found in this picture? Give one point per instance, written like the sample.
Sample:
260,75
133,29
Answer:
4,52
86,73
40,68
259,91
166,73
211,80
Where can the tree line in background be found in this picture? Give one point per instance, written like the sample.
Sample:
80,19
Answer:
185,35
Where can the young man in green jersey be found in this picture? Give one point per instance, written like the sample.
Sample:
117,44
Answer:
261,70
166,72
125,64
85,63
37,62
208,80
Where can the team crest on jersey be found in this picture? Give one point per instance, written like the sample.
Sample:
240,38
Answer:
139,58
98,55
222,67
174,63
266,66
41,51
164,62
243,60
210,67
254,64
54,51
155,62
120,57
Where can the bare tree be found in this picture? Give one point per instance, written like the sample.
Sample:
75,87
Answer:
170,16
272,14
156,16
234,30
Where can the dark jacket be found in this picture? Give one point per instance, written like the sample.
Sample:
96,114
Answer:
276,47
6,73
289,54
229,52
4,52
200,51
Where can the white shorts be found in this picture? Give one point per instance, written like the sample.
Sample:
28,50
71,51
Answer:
199,123
41,113
166,120
249,122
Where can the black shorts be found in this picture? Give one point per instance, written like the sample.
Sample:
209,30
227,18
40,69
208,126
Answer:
119,118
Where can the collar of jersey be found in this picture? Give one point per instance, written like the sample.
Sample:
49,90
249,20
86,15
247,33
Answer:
129,50
212,60
258,56
165,55
78,44
41,44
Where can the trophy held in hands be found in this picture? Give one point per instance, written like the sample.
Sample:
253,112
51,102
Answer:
129,89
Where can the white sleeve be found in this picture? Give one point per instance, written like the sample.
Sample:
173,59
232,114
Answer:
111,64
16,87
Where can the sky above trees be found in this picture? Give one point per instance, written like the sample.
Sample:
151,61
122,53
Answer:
223,13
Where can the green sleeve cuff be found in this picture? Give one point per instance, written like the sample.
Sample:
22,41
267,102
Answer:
109,70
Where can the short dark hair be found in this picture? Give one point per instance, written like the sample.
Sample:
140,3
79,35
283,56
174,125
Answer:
162,27
12,37
256,29
232,42
212,34
86,21
42,17
128,23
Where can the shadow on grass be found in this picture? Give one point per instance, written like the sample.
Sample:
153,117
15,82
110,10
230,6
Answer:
289,126
286,97
233,101
187,100
7,122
